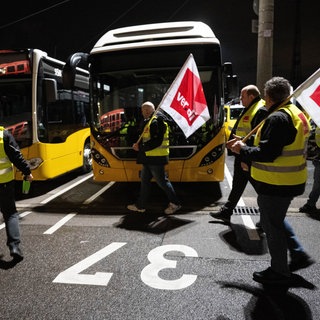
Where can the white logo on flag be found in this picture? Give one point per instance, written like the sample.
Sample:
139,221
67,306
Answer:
185,100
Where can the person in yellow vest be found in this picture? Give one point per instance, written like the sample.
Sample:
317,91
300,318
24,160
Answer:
10,155
153,154
279,172
310,206
253,113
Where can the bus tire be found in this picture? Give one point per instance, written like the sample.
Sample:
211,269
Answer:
87,158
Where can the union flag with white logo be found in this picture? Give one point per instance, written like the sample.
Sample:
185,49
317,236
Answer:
308,95
185,101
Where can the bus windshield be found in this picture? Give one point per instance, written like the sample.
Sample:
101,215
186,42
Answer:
119,89
16,109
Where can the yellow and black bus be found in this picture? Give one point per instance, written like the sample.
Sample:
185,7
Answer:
50,123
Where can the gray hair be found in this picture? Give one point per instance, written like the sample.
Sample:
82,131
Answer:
277,89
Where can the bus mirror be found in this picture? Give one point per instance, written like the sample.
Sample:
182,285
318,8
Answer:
227,69
232,86
69,69
50,89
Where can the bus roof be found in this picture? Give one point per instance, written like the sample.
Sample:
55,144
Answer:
157,34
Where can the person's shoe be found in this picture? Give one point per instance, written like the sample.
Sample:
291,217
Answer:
16,254
224,214
133,207
304,261
172,208
269,276
308,209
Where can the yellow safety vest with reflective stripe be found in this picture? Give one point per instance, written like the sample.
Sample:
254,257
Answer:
163,149
317,136
244,124
6,166
290,167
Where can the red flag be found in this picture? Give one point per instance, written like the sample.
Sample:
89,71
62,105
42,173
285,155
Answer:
308,95
185,100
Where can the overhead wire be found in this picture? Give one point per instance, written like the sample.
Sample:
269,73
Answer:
179,8
114,21
33,14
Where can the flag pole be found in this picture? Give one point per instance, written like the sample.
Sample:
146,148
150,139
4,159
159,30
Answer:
301,87
255,129
148,124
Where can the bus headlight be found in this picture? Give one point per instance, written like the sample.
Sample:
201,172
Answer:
34,163
99,158
212,156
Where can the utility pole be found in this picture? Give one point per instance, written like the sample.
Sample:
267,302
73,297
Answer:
296,59
265,42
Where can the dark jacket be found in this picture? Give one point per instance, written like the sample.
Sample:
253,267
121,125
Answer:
12,150
277,132
157,131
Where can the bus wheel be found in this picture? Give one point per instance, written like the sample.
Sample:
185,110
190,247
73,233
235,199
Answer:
87,159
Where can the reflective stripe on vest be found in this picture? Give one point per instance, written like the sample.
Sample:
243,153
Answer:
290,167
6,167
317,136
244,125
163,149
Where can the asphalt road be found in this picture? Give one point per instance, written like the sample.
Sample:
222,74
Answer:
87,257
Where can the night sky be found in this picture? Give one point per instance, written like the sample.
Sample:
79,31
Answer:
63,27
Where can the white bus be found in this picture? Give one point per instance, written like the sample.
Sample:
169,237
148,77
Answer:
130,65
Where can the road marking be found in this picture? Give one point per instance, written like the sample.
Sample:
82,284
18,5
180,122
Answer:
60,223
151,274
66,189
247,221
21,215
72,275
96,195
251,228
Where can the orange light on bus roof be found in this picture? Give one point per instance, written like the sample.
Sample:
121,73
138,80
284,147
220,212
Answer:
16,67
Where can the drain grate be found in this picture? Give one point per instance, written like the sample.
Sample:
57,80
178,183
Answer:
252,211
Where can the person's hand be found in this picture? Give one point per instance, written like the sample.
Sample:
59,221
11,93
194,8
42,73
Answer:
237,146
232,141
135,146
29,177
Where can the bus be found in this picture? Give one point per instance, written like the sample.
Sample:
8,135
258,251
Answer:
112,120
49,123
131,65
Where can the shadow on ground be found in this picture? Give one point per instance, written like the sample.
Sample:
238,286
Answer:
150,222
275,302
194,196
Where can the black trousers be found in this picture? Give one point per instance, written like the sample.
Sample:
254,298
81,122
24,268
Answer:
239,183
9,212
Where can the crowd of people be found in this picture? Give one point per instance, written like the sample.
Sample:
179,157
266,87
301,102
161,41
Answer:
277,164
273,159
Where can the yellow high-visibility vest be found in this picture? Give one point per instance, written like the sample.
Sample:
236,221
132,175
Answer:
163,149
317,136
290,167
6,166
244,125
